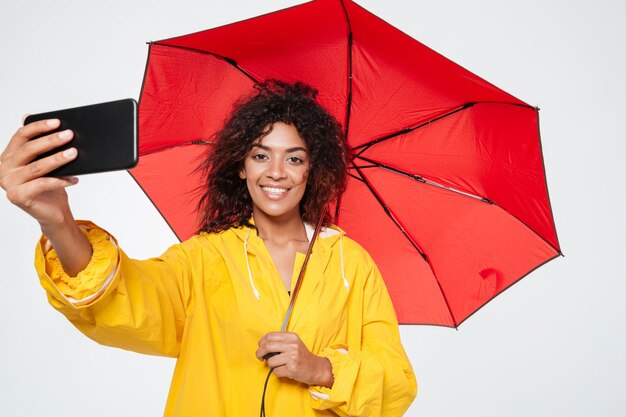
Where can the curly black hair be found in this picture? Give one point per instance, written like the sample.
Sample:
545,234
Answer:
225,200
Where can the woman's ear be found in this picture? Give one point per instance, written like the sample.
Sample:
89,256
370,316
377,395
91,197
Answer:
242,173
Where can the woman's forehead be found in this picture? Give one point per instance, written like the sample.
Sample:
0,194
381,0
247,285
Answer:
282,136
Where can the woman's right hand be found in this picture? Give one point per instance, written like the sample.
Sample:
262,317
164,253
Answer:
44,198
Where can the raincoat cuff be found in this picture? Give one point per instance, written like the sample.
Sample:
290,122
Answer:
345,369
92,281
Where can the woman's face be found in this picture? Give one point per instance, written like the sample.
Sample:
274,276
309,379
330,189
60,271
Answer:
276,170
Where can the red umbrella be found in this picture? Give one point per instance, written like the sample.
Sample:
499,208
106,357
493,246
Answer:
447,189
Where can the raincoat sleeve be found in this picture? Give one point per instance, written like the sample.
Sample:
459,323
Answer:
374,378
117,301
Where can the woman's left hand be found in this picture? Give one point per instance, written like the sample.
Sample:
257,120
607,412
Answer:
293,360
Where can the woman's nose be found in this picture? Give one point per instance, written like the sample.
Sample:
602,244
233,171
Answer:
276,170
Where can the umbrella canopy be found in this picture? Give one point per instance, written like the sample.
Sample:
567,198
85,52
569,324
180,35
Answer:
447,189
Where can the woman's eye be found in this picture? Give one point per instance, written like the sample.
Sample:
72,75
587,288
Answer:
295,160
259,157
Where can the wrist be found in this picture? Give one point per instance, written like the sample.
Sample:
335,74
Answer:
71,245
325,377
62,226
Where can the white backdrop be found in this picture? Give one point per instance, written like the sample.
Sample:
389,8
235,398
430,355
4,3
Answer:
551,345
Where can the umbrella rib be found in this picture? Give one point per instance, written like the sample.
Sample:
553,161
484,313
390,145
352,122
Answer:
355,177
454,190
393,218
218,56
349,104
365,146
350,43
368,166
423,180
177,145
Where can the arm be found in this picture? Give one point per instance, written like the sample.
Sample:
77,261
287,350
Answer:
372,374
142,307
44,198
117,301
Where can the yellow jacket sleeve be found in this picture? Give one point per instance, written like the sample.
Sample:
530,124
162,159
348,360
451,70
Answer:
117,301
374,378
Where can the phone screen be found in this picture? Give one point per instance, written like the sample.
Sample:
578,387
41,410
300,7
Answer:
105,136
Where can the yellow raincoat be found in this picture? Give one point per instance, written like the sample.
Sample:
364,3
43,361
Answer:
208,301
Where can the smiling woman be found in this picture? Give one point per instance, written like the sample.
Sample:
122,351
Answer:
225,201
215,300
275,171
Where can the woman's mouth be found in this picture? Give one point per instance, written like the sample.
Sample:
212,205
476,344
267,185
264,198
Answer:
275,190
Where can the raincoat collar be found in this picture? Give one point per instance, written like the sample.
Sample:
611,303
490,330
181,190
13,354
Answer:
252,244
328,237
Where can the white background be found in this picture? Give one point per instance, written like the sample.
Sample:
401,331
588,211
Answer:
551,345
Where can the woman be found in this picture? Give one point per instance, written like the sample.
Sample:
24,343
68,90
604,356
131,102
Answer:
216,300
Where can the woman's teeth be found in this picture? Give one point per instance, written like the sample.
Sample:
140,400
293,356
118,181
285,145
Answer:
273,190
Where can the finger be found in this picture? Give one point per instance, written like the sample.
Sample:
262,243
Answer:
278,361
266,349
280,371
45,165
261,352
269,337
283,371
280,336
25,194
279,346
30,150
259,355
26,133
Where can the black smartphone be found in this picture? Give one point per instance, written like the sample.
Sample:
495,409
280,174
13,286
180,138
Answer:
105,135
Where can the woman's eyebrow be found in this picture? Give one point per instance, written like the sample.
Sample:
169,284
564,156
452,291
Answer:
289,150
258,145
298,148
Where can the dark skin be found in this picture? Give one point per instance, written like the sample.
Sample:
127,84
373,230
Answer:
277,218
275,171
284,257
294,360
44,198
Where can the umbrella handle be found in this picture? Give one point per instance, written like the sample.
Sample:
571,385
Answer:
269,355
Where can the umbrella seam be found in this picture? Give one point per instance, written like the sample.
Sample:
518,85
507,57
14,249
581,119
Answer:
545,181
231,61
365,146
